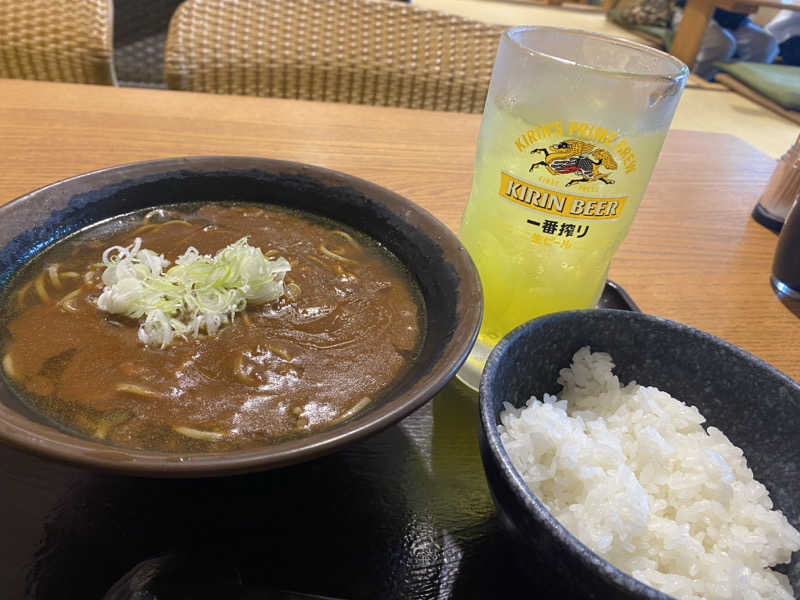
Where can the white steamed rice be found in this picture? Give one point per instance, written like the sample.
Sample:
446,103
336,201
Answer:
631,472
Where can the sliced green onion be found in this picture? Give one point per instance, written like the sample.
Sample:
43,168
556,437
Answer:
199,293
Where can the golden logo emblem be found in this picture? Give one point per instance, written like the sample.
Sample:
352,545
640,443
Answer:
579,159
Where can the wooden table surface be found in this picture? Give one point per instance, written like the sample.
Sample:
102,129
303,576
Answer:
693,254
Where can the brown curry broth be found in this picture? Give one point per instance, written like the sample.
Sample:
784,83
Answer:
304,362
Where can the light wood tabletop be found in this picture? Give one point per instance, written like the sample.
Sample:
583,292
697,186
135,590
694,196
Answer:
693,255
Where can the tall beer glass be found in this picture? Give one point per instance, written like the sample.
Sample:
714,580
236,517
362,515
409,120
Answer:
571,131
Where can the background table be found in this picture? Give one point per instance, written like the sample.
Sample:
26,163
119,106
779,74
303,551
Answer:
405,514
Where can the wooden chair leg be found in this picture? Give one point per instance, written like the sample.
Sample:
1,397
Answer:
690,32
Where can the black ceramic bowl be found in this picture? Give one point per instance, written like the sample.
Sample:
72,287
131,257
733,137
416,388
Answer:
756,406
433,255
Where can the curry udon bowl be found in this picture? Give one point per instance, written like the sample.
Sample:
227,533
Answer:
753,404
445,277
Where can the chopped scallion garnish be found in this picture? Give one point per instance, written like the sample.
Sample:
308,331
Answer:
199,292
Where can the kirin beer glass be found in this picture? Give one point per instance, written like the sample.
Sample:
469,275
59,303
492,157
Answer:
571,131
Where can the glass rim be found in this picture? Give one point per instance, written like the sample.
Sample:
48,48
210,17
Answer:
680,68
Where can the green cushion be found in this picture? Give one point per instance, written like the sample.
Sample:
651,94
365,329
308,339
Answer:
665,34
779,83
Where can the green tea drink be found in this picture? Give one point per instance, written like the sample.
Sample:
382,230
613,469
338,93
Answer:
555,189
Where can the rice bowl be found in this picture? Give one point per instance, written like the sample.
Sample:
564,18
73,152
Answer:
630,471
755,405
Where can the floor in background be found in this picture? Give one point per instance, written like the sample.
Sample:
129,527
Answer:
508,13
727,112
699,110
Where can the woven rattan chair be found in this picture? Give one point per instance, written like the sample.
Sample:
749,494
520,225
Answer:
357,51
56,40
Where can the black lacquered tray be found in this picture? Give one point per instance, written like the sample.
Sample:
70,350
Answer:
405,514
